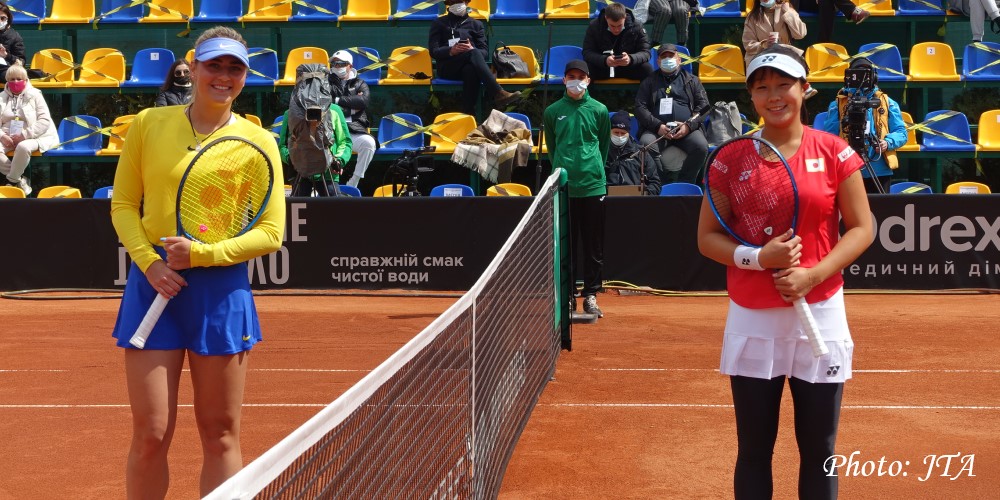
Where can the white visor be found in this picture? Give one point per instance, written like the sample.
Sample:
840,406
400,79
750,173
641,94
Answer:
780,62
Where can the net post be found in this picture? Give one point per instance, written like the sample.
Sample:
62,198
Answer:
563,269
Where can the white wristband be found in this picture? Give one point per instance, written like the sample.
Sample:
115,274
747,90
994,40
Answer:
746,258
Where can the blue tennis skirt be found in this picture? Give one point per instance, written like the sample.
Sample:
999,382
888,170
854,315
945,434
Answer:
213,315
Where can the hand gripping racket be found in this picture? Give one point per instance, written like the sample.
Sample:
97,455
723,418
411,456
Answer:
752,192
221,195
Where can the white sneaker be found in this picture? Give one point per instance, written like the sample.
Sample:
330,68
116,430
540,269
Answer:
590,306
21,184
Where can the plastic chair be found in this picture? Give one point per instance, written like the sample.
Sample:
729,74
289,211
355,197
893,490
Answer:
516,9
479,9
28,11
909,187
920,8
403,70
60,192
404,6
56,62
508,189
389,130
976,61
956,125
69,11
726,56
827,62
386,190
219,11
363,57
263,67
887,60
350,191
528,54
149,68
681,189
933,61
104,192
654,59
303,13
275,127
116,141
102,67
69,129
126,15
180,11
254,119
989,130
911,134
367,10
11,192
554,9
599,5
523,118
819,120
721,8
554,64
447,190
267,11
457,128
299,56
967,187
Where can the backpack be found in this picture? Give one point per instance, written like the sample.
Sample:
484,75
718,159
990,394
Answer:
309,143
508,64
724,123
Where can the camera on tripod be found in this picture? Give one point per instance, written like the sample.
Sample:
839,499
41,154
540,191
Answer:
855,120
406,170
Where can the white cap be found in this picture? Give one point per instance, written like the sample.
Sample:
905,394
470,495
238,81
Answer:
343,55
781,62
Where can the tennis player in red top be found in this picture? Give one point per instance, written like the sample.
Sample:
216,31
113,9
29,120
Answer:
764,341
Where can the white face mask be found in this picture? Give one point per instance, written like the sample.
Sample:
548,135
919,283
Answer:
340,72
3,24
669,65
619,140
768,5
458,9
576,86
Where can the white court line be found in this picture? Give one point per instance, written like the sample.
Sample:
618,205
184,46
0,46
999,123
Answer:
29,371
690,405
249,405
716,370
306,370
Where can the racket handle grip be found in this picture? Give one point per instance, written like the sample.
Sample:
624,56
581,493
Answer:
812,329
149,321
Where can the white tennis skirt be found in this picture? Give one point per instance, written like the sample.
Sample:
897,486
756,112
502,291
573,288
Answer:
768,343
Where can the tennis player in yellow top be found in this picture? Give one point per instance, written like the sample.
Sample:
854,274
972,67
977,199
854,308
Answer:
213,321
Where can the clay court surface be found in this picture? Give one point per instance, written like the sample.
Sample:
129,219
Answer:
636,410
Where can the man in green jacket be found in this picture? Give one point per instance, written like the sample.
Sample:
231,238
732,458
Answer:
324,184
578,133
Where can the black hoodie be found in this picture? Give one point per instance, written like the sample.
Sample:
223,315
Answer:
631,40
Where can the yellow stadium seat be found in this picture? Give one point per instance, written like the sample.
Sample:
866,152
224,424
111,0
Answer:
367,10
254,119
876,7
267,10
528,55
911,134
189,57
721,62
117,138
102,67
11,192
444,136
56,62
59,192
933,61
479,9
299,56
566,9
386,190
827,62
967,187
406,68
176,11
508,189
70,11
989,130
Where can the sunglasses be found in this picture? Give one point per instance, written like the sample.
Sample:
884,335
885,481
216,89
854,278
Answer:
340,64
182,72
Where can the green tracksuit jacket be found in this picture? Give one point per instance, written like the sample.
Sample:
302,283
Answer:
577,134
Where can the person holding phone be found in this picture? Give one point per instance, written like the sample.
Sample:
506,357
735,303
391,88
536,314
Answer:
615,45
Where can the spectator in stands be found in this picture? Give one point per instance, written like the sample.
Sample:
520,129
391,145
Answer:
176,88
827,11
615,46
664,105
11,43
627,166
213,322
26,126
883,126
578,132
458,44
662,12
978,10
768,23
351,94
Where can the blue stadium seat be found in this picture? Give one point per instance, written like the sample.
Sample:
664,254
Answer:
655,57
265,62
680,189
361,60
388,130
819,120
520,116
888,61
556,59
425,14
908,187
721,8
976,61
303,13
350,190
599,5
920,8
957,126
104,192
69,129
516,9
27,11
452,190
150,67
127,14
275,127
219,11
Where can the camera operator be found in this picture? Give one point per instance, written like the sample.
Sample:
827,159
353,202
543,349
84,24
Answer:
870,121
404,173
626,165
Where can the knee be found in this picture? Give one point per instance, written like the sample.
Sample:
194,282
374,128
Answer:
219,434
23,148
364,143
150,439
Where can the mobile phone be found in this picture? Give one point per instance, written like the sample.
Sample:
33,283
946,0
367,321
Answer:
620,56
463,40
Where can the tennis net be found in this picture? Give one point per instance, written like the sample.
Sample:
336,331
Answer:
440,417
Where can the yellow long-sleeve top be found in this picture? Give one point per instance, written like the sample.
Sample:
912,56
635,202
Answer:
152,162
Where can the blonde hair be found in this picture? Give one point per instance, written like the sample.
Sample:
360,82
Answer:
17,70
220,32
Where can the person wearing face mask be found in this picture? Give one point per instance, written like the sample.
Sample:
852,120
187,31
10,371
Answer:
11,43
457,43
615,45
578,134
26,126
351,94
625,167
771,22
176,89
664,105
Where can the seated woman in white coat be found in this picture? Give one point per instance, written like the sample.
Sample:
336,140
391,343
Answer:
25,126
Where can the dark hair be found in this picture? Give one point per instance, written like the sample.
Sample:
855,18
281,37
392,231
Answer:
10,16
615,11
757,10
168,82
787,51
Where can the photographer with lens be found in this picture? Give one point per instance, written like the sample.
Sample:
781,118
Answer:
870,121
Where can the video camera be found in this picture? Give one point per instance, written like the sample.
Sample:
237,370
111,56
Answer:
407,168
855,120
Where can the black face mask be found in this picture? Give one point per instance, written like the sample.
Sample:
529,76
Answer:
183,80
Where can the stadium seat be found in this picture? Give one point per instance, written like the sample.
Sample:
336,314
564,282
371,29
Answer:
911,134
887,60
117,138
76,138
330,11
104,67
523,118
367,10
69,11
452,190
448,129
566,9
956,125
119,12
721,62
555,61
169,11
920,8
989,130
979,61
601,4
405,11
56,62
149,68
654,59
819,120
263,67
967,187
254,119
827,62
508,189
28,11
516,9
104,192
11,192
299,56
479,9
908,187
879,8
408,64
59,192
681,189
528,54
219,11
390,131
933,61
364,57
386,190
267,11
275,127
350,191
721,8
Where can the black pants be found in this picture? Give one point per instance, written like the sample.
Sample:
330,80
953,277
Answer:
871,188
827,11
470,67
587,224
817,413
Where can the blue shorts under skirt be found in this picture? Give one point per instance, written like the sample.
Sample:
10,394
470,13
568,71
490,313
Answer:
213,315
